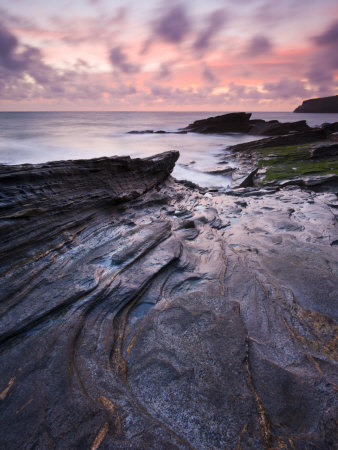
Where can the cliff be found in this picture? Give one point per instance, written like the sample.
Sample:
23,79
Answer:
319,105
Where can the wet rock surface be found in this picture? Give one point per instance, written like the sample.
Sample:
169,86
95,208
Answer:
163,316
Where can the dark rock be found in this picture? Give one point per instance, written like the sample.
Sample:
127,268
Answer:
141,132
189,184
275,128
227,123
248,180
289,139
330,128
324,151
49,188
319,105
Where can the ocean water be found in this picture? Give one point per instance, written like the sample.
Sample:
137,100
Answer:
36,137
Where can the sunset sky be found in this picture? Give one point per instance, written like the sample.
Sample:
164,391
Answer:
224,55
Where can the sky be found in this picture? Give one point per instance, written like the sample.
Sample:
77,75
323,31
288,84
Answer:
214,55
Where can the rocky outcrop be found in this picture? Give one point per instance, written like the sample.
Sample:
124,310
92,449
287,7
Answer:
241,123
313,135
274,128
31,190
319,105
171,319
226,123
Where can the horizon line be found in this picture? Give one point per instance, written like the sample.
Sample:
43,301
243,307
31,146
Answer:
143,111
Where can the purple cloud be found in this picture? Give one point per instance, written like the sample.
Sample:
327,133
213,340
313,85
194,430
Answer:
120,60
209,76
324,61
329,37
165,71
286,89
24,75
215,23
173,25
9,57
258,45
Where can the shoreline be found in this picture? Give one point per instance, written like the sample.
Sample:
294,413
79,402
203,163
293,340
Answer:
164,308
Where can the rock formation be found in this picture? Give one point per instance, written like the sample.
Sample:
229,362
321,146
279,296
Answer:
306,137
226,123
260,127
241,123
137,312
319,105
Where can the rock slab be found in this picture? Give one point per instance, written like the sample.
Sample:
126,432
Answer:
149,315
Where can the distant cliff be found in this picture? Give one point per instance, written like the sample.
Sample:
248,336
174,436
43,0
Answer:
319,105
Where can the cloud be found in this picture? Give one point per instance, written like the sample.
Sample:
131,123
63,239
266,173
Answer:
10,57
119,59
173,25
257,46
209,76
215,23
165,71
25,76
324,61
94,29
286,89
329,36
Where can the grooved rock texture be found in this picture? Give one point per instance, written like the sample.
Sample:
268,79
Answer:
170,319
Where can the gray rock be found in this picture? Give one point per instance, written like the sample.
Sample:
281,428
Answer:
123,327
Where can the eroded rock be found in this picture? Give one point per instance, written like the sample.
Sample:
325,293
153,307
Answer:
124,326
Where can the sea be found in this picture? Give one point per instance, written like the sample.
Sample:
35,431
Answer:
38,137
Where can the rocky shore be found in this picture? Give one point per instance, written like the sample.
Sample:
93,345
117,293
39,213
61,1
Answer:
142,312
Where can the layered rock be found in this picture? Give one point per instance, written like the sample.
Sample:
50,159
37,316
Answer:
170,319
260,127
319,105
313,135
